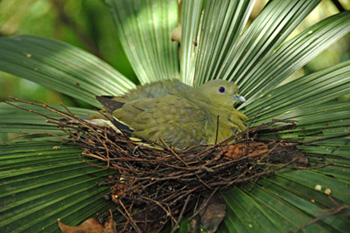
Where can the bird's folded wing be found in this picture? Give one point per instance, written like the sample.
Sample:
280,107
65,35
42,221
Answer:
110,103
154,90
176,120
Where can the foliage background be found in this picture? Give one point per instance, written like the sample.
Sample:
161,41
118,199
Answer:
85,24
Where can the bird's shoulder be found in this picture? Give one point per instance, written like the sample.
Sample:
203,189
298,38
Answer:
156,89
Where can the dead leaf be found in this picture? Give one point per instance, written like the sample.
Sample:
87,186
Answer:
239,150
90,225
213,214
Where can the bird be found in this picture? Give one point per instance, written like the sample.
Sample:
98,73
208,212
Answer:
173,112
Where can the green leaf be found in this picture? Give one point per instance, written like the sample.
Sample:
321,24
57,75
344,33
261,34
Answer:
61,67
262,37
270,71
144,29
273,25
284,204
190,22
41,183
222,24
317,177
310,90
17,120
247,211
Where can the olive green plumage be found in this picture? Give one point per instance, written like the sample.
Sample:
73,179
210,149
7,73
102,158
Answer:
181,115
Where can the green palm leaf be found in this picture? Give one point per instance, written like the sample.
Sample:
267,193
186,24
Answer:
294,54
313,89
40,183
144,28
16,120
222,24
62,67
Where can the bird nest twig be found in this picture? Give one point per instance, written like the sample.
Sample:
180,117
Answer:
155,183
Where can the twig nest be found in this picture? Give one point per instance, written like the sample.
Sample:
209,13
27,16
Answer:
154,183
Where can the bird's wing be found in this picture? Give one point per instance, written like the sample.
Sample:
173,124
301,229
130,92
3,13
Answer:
148,91
154,90
110,103
176,120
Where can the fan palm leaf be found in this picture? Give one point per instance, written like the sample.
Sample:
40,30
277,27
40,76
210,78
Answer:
43,179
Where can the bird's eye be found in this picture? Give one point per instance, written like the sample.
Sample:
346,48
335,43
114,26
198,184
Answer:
222,89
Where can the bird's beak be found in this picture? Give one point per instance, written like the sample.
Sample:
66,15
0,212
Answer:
239,98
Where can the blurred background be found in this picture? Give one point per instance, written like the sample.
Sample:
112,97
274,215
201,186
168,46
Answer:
87,24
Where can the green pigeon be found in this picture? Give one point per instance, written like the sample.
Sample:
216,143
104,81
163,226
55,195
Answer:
181,115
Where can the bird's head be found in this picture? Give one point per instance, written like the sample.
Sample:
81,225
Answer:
221,92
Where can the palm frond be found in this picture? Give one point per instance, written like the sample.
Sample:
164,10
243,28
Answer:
42,181
61,67
144,28
16,120
293,55
310,90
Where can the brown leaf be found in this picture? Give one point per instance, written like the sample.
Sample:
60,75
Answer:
239,150
213,213
90,225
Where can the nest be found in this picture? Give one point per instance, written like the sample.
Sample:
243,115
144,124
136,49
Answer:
155,184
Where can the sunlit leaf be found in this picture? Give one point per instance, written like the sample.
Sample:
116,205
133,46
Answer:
310,90
223,22
61,67
144,28
190,21
271,71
